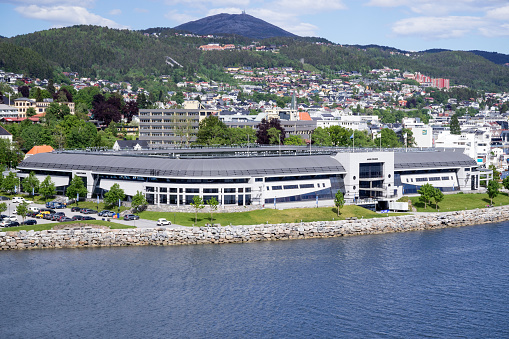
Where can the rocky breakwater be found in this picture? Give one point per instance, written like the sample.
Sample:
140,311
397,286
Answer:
161,236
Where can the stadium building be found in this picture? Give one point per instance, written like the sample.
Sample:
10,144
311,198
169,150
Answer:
289,175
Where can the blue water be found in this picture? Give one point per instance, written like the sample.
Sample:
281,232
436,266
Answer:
442,284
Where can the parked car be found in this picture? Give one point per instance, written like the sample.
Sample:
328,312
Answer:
41,214
103,213
131,217
11,218
29,222
78,217
48,216
12,224
86,217
75,209
65,219
88,211
2,198
163,222
110,214
32,214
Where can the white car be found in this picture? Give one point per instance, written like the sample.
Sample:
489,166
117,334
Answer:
21,199
163,222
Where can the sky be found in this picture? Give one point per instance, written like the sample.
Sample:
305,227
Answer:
411,25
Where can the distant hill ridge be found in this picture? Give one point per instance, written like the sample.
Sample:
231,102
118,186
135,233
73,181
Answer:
239,24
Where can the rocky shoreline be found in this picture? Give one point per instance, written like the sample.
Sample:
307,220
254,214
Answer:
89,237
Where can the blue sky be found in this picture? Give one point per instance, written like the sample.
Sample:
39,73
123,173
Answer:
412,25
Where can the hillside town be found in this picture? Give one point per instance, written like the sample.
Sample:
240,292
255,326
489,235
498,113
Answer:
306,100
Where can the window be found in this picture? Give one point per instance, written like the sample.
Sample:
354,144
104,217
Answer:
229,190
421,179
307,186
258,179
290,187
275,188
445,178
210,190
192,190
163,189
434,179
149,189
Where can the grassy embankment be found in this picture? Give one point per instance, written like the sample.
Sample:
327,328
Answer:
270,216
457,202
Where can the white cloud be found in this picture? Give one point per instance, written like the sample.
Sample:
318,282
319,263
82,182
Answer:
82,3
311,5
209,3
440,7
66,15
179,18
303,29
230,10
437,27
495,31
116,12
501,13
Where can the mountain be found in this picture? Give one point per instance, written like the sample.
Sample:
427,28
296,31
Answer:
124,55
239,24
497,58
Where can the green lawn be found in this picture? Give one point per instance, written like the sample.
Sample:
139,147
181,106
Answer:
43,227
456,202
263,216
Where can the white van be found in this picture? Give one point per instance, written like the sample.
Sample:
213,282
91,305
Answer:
34,209
17,199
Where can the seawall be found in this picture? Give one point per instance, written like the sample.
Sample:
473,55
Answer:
164,236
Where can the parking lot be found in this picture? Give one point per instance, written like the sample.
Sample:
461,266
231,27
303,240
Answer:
141,223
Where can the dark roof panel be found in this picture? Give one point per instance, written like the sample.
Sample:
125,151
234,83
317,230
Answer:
158,166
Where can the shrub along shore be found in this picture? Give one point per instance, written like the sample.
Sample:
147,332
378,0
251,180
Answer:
164,236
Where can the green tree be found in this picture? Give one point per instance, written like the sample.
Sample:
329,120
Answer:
3,207
10,154
213,203
389,139
496,173
115,194
427,192
47,188
138,203
22,209
197,204
178,97
10,183
212,131
274,136
31,183
505,183
454,125
76,189
293,139
493,190
31,112
321,137
56,111
438,196
339,201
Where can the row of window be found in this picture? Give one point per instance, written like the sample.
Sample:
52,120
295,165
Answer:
430,179
189,190
292,187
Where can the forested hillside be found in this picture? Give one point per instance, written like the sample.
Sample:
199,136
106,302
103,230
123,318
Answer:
99,52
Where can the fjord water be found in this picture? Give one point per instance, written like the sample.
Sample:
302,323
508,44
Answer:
445,283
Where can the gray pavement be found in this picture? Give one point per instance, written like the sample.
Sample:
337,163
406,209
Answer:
141,223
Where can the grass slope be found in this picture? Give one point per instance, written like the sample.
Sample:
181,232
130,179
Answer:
263,216
457,202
